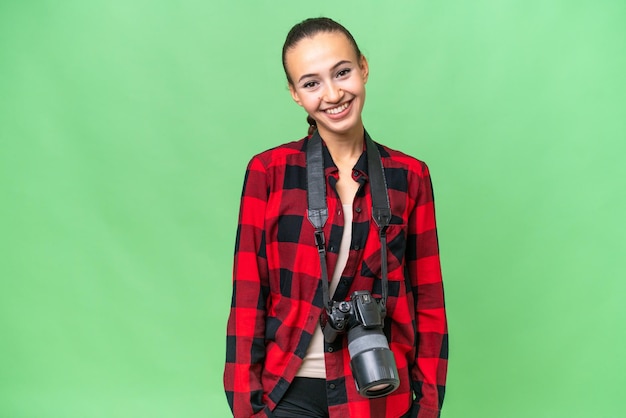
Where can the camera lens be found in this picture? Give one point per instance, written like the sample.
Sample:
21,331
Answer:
372,362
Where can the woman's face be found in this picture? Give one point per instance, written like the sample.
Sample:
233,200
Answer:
329,82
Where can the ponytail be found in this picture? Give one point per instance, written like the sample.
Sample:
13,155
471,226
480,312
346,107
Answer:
312,125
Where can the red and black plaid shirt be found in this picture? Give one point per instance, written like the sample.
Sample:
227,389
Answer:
277,293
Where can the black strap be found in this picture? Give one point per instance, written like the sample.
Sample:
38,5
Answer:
381,211
318,209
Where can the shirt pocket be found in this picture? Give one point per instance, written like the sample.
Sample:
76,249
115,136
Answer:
396,250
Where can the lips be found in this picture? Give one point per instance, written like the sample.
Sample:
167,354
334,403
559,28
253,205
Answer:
338,109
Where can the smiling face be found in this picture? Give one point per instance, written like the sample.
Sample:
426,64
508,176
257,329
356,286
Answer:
328,81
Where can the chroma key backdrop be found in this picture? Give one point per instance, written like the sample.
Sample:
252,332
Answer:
125,130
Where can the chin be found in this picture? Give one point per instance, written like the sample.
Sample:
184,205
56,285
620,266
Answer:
342,128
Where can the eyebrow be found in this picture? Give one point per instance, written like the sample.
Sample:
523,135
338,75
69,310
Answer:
340,63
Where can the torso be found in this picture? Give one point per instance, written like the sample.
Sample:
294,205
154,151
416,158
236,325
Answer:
346,186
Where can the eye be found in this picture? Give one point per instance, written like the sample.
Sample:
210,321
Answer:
309,84
344,72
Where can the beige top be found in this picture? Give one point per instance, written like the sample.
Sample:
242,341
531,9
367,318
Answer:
313,362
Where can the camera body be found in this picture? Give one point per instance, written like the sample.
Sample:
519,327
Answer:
362,310
371,361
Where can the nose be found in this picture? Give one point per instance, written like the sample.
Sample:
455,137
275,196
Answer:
332,93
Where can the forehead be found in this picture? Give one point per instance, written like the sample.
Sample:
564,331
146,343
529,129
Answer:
319,52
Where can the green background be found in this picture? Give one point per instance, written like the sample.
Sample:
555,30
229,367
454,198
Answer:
125,129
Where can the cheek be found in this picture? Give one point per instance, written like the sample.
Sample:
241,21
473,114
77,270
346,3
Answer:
356,85
309,101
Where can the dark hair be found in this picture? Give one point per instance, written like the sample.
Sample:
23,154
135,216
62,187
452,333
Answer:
307,29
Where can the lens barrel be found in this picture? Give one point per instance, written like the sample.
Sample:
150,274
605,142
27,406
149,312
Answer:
372,362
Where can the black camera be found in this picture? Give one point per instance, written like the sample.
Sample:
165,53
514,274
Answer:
371,361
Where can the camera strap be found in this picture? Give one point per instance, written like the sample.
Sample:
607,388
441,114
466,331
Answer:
318,209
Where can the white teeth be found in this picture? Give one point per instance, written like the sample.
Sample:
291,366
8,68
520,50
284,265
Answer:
336,110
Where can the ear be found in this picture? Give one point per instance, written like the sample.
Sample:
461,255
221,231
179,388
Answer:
294,94
365,69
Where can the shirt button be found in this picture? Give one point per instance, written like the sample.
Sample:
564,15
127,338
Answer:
356,247
357,210
330,349
332,386
355,173
331,248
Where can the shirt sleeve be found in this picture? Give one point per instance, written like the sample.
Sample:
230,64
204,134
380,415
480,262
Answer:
245,341
424,270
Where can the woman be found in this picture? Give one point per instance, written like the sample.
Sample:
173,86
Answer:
278,361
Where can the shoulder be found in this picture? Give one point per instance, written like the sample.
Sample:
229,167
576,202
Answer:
408,174
280,155
393,158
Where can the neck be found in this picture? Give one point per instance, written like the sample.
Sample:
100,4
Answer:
346,147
